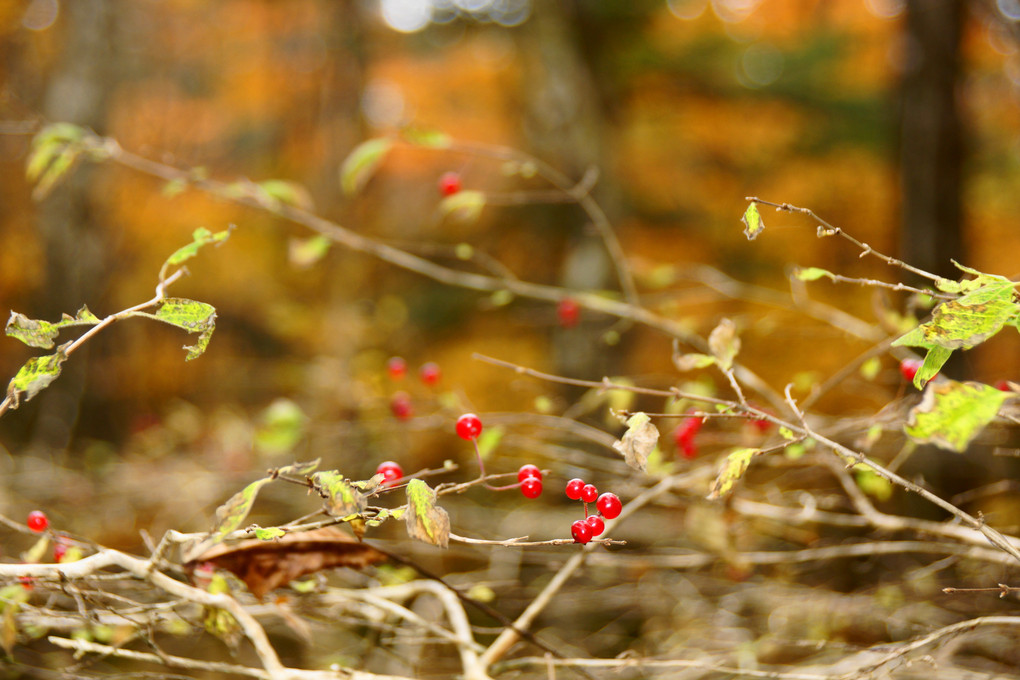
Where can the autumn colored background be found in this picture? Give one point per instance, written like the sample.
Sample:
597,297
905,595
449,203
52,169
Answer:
683,107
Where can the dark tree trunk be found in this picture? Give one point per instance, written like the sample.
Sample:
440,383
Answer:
932,137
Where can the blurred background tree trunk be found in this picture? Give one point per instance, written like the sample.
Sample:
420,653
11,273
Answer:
76,271
932,137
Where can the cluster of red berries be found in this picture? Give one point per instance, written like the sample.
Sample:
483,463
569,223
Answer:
529,477
608,505
684,436
400,403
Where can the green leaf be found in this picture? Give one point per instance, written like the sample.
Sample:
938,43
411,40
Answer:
286,192
813,273
268,533
952,413
933,362
35,376
42,334
342,499
304,252
724,344
638,441
282,426
55,150
192,316
425,520
429,139
733,468
299,469
872,484
231,515
199,238
463,206
870,369
753,224
488,440
361,164
692,361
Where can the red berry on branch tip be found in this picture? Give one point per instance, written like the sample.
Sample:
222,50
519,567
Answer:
390,471
430,373
596,525
529,470
580,531
574,487
449,183
609,505
531,487
589,493
568,312
469,426
396,367
37,521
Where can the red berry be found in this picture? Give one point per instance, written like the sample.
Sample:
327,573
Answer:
469,426
589,493
609,505
26,582
574,487
580,531
390,471
59,550
400,404
397,368
689,448
430,373
684,435
531,487
37,521
1003,386
529,470
449,183
908,368
568,312
596,525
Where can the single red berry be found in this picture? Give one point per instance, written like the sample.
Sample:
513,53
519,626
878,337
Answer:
684,435
529,470
580,531
1003,386
430,373
909,367
449,183
59,550
400,405
596,525
390,471
574,487
397,368
589,493
568,312
689,448
609,505
37,521
469,426
26,582
531,487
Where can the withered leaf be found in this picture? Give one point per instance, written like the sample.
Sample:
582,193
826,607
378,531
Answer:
265,565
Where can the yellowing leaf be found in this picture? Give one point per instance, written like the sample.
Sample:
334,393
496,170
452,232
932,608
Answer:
342,499
952,413
43,334
35,376
692,361
638,441
192,316
426,521
813,274
753,224
361,164
200,238
464,206
733,468
724,343
870,483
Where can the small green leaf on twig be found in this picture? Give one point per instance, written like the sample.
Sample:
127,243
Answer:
199,238
813,273
361,164
871,483
426,521
192,316
753,224
285,192
299,469
638,441
952,413
231,515
304,252
342,499
724,343
733,468
35,376
692,361
430,139
463,206
268,533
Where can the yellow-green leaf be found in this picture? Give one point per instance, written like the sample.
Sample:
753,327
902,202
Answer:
361,164
430,139
813,273
692,361
638,441
464,206
35,376
342,499
733,468
425,520
753,224
952,413
231,515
